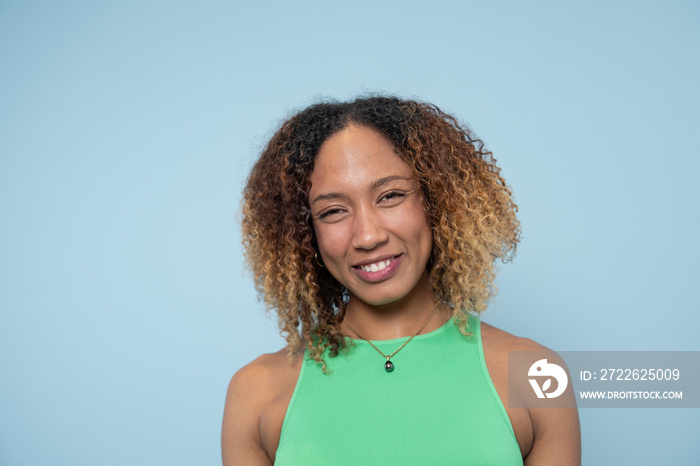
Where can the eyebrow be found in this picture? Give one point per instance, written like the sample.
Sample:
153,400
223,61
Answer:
375,184
387,179
325,197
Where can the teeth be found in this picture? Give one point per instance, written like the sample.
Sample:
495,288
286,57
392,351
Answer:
377,266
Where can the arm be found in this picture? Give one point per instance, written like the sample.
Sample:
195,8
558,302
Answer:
547,436
556,431
557,437
241,443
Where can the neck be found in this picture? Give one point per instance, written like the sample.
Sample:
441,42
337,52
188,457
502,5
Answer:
401,318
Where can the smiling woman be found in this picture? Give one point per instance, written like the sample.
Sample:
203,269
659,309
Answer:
372,228
368,218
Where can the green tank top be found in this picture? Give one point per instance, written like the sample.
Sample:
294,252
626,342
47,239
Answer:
438,406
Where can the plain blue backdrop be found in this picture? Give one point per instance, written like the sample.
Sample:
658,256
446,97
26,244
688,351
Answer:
127,130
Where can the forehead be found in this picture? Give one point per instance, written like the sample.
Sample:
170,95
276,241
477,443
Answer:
356,155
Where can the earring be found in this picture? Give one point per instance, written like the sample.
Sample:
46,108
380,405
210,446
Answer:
318,262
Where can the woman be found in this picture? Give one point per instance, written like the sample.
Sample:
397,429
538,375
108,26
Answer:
372,228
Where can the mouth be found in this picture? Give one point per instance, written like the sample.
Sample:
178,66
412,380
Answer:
376,266
379,269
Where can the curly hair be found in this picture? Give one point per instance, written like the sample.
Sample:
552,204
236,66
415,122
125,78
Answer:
468,204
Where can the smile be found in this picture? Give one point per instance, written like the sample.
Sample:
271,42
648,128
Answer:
379,270
376,266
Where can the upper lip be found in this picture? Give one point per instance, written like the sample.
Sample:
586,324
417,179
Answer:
376,259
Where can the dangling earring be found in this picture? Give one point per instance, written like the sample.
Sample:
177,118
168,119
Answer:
318,262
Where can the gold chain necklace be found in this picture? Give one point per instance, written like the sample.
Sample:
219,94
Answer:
389,366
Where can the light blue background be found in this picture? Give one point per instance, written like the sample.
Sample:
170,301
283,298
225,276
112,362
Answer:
126,132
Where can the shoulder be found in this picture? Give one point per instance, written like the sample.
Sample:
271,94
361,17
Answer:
501,340
498,343
251,392
260,373
547,435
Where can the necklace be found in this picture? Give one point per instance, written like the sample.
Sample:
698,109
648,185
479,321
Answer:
389,366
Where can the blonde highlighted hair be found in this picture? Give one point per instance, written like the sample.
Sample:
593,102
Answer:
469,207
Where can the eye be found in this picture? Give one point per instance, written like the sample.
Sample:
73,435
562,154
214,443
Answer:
392,196
330,213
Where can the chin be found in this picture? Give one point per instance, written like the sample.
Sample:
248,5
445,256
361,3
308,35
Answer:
379,299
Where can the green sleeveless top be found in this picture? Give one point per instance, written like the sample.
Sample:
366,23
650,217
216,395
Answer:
438,406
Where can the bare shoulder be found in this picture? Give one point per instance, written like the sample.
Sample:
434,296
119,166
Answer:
546,435
253,392
501,340
262,371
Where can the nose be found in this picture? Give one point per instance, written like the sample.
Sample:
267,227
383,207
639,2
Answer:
368,231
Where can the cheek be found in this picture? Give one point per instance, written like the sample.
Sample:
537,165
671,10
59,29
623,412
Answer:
426,237
414,222
331,241
422,234
333,246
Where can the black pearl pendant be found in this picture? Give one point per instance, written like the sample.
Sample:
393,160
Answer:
389,366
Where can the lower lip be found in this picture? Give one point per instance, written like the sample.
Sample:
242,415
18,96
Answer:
379,275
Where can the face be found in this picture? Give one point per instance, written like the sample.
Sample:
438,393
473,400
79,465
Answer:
372,232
